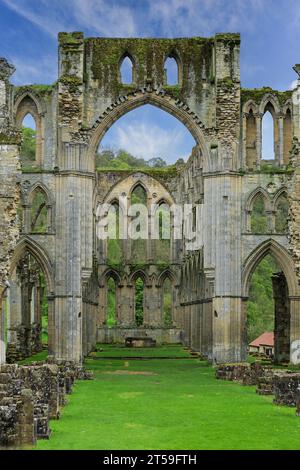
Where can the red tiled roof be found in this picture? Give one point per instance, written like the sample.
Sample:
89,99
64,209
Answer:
266,339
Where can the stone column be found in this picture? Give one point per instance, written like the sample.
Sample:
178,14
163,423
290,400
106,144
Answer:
2,327
280,124
222,219
282,319
51,326
126,307
258,119
10,140
294,302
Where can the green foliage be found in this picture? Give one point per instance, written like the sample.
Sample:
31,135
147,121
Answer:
257,94
27,151
111,303
167,303
139,301
39,213
259,222
282,209
122,160
260,308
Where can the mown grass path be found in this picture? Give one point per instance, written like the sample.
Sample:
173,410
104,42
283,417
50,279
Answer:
168,404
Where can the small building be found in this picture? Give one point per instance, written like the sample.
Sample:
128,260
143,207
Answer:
264,344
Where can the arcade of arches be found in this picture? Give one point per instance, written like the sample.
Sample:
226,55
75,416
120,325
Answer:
63,288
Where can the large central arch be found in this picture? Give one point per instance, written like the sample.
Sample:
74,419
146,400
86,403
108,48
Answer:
161,100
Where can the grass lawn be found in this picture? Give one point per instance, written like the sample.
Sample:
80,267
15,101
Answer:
168,404
40,356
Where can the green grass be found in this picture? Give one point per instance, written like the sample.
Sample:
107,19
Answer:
181,406
110,350
40,356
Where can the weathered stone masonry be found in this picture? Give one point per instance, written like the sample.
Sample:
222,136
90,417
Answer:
224,175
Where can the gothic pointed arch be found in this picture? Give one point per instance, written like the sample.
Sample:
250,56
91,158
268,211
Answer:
250,105
156,97
167,273
39,253
269,101
26,103
282,257
255,193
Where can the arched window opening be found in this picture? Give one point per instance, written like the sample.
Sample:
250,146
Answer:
139,225
251,140
268,135
259,220
139,301
27,310
171,71
111,303
28,147
268,312
114,242
146,137
126,71
39,212
281,216
163,232
167,302
287,136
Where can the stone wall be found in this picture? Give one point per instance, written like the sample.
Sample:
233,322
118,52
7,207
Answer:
284,385
286,388
32,395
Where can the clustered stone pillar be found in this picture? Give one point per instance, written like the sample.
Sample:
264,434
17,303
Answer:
10,140
282,319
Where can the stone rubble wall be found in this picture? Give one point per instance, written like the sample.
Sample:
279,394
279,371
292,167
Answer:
32,395
283,384
286,388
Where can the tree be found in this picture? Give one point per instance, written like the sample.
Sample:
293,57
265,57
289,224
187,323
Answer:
157,162
123,160
28,145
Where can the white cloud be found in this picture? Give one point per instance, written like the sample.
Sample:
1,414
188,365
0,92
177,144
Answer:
113,18
95,16
293,85
204,17
32,70
148,141
41,14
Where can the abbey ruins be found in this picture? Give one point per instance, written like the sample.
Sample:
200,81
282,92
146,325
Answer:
225,175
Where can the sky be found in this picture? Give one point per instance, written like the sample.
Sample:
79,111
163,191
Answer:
269,30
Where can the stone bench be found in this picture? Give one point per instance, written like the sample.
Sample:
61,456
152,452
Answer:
140,342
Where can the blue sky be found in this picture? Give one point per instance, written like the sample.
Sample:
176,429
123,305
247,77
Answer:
269,31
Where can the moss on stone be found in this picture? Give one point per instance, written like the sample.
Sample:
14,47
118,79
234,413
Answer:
175,91
149,55
14,138
39,89
273,169
166,172
257,94
75,37
228,37
226,82
70,80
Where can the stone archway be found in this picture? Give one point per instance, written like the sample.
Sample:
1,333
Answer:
160,99
285,289
31,297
